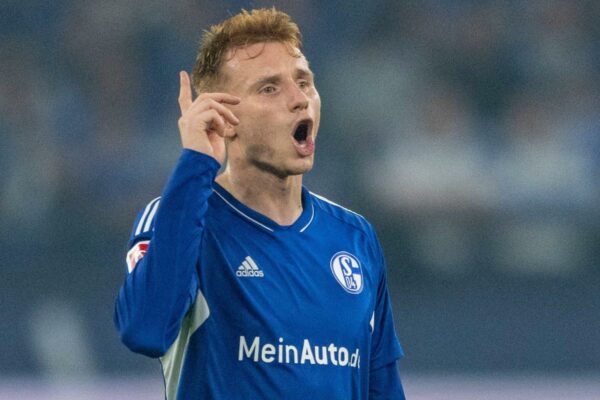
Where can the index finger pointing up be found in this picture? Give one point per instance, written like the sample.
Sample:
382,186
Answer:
185,91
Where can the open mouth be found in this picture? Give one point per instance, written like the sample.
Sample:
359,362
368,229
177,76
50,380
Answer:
304,142
302,131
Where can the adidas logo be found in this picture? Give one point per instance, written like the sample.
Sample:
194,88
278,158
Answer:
249,269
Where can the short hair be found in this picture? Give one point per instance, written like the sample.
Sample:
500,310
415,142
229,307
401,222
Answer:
243,29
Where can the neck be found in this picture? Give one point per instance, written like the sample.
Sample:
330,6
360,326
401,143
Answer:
280,199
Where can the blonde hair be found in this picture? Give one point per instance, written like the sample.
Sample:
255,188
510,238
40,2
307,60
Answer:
245,28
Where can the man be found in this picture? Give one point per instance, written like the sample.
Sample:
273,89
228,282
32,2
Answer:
246,285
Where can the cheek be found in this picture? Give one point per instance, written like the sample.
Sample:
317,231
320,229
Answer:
254,118
263,126
259,151
257,136
317,103
249,125
317,109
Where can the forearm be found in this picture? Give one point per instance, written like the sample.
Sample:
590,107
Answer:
158,292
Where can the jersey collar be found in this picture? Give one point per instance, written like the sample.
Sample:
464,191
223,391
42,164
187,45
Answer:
300,225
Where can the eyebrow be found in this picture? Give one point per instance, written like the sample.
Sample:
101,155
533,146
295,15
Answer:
304,73
273,79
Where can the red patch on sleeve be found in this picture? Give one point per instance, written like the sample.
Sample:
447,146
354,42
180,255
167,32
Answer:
136,253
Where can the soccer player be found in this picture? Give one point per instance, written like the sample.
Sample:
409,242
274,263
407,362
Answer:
244,284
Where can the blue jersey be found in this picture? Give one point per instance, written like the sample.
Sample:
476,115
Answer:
239,307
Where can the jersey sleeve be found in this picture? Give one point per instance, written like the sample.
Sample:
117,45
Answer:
141,233
385,383
385,347
164,247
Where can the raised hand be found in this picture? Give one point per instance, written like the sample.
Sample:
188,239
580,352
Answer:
204,122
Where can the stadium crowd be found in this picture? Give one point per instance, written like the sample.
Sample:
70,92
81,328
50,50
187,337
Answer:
469,132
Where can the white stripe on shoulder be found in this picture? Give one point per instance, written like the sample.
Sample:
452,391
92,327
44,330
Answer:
335,204
140,225
151,216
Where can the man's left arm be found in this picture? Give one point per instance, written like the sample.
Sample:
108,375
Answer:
385,383
384,377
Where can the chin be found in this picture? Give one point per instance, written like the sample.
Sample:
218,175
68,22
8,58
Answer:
303,167
295,168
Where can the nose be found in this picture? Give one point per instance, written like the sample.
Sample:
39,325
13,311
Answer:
298,99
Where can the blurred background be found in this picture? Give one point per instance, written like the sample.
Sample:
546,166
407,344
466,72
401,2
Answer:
468,132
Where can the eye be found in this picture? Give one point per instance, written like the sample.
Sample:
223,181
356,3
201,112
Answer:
270,89
303,84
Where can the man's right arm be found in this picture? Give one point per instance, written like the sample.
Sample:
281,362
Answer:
161,285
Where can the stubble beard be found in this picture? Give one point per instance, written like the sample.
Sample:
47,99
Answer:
260,156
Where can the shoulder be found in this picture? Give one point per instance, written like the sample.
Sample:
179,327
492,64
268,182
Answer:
144,221
342,214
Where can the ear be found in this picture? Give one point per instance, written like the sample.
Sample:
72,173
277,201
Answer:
229,132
